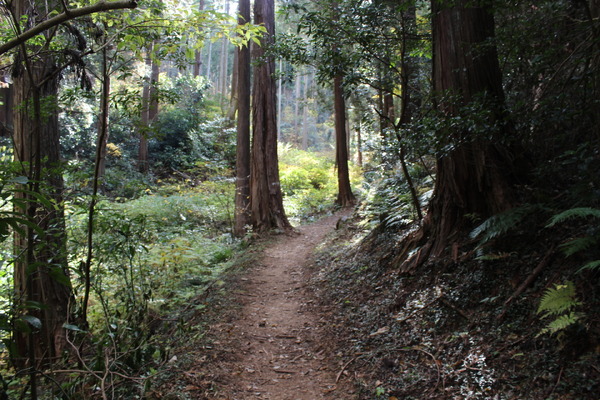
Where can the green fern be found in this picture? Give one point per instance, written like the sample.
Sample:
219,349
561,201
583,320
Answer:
561,323
579,244
592,265
501,223
580,212
559,302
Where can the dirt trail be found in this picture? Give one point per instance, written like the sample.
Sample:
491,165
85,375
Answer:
279,345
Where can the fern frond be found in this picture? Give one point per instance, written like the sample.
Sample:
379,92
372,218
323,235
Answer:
558,300
579,212
561,323
591,265
579,244
501,223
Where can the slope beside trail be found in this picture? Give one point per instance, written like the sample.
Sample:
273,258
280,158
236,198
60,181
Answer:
277,347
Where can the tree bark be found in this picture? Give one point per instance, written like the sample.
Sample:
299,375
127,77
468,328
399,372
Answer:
103,132
40,272
223,67
149,110
234,98
242,183
474,178
305,112
266,197
197,71
345,197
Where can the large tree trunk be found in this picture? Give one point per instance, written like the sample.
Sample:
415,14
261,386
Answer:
242,183
266,198
40,272
474,177
345,197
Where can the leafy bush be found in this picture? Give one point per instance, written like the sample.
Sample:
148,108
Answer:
308,182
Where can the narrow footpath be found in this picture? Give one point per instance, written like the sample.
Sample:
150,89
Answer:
280,351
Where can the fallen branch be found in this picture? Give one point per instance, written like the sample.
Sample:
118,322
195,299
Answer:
435,361
534,274
339,375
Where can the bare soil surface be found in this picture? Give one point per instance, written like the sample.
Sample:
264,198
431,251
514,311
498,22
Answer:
277,348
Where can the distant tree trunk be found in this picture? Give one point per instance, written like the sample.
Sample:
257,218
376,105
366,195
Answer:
224,66
297,103
149,109
242,183
305,113
266,197
209,64
154,80
279,98
40,271
144,121
198,54
408,104
104,113
474,178
234,98
359,156
345,197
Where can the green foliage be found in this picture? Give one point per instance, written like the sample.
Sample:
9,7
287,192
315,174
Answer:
580,212
301,170
388,200
502,223
580,244
559,303
308,182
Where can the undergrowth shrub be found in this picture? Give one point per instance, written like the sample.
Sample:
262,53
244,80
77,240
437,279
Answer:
560,304
388,200
308,181
151,256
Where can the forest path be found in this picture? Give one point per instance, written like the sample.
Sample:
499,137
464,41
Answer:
278,347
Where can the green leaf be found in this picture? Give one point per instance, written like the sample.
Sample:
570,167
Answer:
558,300
561,323
581,212
5,323
578,244
501,223
593,265
33,321
22,180
72,327
59,276
34,305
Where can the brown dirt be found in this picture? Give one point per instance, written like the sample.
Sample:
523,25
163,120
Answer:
277,348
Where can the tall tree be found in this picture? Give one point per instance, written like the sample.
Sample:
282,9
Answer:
149,108
41,281
197,70
224,66
242,188
345,197
474,177
266,198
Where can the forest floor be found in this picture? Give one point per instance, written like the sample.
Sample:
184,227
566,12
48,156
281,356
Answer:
327,314
270,340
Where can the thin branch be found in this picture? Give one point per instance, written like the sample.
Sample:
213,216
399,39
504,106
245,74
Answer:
66,16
